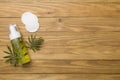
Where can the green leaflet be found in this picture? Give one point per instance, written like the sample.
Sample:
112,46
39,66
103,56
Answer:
11,57
34,43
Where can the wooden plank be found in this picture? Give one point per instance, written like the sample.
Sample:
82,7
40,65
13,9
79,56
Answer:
57,9
31,1
72,38
60,76
65,45
64,66
68,24
73,52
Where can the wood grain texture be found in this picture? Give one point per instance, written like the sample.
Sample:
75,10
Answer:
78,39
81,39
64,66
36,1
68,24
57,9
74,52
60,76
76,45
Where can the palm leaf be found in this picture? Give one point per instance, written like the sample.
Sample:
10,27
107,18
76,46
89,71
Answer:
10,50
7,57
6,52
10,57
34,43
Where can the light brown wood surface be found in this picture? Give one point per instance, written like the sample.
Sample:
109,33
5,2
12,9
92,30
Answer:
72,9
60,76
82,39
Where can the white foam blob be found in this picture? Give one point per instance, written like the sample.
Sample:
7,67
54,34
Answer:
31,21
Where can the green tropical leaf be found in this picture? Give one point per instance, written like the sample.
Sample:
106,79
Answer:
10,57
9,48
7,57
8,60
6,52
34,43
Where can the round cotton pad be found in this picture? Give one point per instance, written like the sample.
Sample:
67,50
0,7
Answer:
31,21
32,27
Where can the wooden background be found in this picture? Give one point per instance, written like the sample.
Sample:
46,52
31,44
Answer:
82,39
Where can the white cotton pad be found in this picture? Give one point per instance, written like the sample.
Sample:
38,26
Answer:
31,21
32,27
